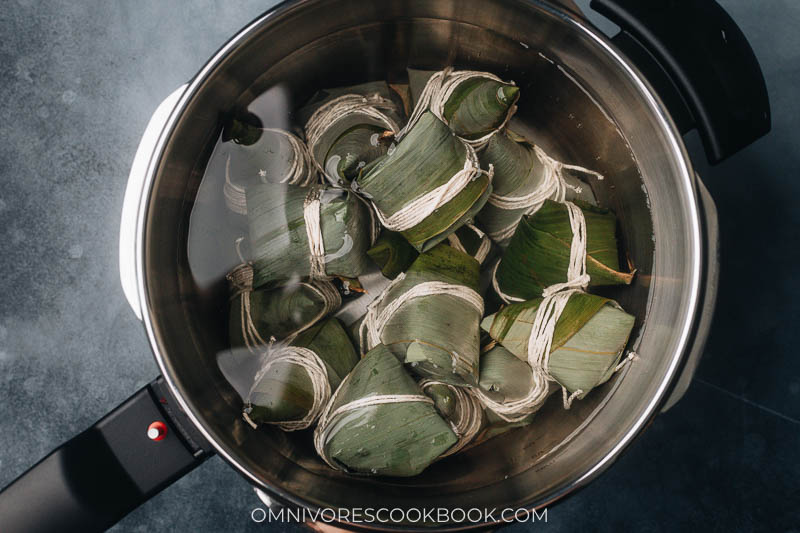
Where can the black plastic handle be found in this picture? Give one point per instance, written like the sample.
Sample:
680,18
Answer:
95,479
700,63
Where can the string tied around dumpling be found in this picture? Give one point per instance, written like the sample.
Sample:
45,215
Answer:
469,413
483,249
539,345
300,172
423,206
577,276
329,415
378,317
329,113
317,372
241,283
316,245
438,90
552,187
554,300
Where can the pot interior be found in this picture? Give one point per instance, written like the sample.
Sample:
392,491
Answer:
577,102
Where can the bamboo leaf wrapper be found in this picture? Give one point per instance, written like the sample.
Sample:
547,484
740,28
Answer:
262,155
349,127
460,407
518,173
279,233
392,253
472,241
429,317
292,394
588,340
473,104
525,176
255,316
379,422
539,252
504,375
428,186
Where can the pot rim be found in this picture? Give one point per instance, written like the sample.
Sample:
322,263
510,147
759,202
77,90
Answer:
694,244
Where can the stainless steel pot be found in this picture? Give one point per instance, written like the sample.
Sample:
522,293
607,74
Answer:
586,101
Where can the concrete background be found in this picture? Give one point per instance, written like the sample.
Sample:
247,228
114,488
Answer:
78,81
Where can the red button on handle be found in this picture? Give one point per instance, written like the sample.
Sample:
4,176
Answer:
157,431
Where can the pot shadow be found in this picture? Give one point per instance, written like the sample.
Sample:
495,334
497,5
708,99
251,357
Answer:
750,348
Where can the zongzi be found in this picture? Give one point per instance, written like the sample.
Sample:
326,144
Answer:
428,186
459,406
562,244
350,127
379,422
573,338
262,155
282,312
316,231
429,317
475,105
295,382
503,376
524,177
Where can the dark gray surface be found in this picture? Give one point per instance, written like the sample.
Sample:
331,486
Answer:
79,82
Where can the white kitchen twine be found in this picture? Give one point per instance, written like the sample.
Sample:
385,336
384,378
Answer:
309,361
301,173
325,425
316,246
468,414
555,298
483,249
552,187
375,321
338,108
439,88
241,279
539,344
577,277
420,208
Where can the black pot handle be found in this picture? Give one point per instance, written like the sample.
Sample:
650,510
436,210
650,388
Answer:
92,481
700,63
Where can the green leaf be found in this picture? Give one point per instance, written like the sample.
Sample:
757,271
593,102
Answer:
426,331
538,253
278,313
460,406
504,375
477,106
392,253
380,88
353,149
279,241
355,140
517,172
426,158
285,392
588,340
390,439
